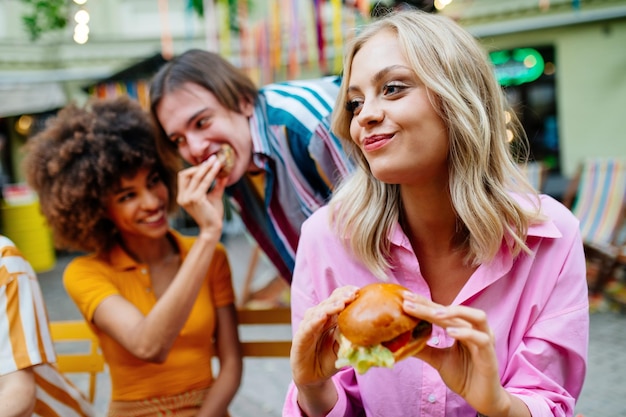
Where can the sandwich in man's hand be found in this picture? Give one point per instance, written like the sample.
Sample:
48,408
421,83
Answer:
375,330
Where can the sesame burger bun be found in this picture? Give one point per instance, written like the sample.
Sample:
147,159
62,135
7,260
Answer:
226,155
376,317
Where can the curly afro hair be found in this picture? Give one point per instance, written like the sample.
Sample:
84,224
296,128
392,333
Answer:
78,161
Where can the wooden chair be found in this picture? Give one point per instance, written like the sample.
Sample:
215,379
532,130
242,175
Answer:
91,361
597,197
271,347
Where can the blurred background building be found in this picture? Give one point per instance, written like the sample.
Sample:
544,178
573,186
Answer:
561,62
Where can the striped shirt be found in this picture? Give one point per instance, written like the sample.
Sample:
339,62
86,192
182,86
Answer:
302,163
25,339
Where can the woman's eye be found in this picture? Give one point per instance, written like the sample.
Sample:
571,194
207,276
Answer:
155,179
125,197
353,105
390,89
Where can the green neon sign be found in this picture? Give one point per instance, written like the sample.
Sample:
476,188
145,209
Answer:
517,66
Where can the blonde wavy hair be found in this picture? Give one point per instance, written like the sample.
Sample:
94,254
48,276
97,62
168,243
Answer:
483,171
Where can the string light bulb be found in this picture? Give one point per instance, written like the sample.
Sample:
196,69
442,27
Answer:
81,30
441,4
82,17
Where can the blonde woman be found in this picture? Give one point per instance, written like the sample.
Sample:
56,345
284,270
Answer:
438,206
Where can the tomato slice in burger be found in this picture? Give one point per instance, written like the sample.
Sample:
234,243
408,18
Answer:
398,341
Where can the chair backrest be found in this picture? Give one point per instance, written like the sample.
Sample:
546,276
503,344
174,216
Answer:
270,345
87,360
536,173
600,198
91,361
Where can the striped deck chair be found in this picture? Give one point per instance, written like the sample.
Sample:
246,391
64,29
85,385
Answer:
536,173
599,205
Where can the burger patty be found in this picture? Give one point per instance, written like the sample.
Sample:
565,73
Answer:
404,338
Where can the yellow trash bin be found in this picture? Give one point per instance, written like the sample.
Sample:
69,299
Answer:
24,224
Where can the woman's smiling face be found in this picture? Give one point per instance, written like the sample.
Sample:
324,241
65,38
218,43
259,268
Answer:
394,123
138,208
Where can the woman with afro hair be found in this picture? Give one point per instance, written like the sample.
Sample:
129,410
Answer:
160,303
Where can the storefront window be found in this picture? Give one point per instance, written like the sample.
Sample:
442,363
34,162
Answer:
532,95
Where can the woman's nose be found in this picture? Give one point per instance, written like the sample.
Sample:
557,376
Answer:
150,199
371,112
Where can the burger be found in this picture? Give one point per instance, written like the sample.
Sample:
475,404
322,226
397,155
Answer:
226,155
375,330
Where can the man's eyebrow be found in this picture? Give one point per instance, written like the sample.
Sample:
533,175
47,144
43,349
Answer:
189,120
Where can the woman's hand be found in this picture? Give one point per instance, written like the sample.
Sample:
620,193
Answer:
314,346
469,367
314,352
205,207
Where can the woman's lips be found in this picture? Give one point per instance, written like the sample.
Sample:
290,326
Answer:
375,142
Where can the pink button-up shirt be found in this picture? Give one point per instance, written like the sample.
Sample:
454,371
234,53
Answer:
537,307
